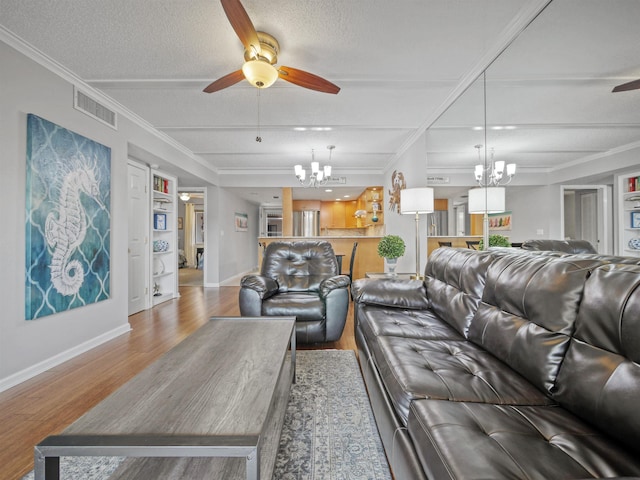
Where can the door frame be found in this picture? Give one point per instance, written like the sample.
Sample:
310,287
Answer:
604,214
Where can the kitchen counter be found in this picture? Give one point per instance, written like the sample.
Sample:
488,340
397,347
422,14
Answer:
367,258
458,242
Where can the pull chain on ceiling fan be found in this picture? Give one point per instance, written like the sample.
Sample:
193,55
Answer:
261,54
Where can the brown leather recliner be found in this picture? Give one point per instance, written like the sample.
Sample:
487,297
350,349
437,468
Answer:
299,279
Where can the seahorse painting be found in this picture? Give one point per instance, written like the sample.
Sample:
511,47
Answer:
65,230
68,220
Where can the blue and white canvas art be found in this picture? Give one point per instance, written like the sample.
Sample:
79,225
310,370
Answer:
68,220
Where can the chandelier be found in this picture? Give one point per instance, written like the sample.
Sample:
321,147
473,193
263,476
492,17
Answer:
493,174
318,176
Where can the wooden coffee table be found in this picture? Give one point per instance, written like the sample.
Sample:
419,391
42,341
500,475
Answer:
219,395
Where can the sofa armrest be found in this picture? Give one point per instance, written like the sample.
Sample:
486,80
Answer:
265,287
397,293
332,283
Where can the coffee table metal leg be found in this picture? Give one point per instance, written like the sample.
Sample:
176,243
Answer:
293,354
46,467
253,465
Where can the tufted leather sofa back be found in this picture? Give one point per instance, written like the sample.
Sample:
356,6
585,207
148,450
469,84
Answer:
528,311
454,280
299,266
600,377
567,246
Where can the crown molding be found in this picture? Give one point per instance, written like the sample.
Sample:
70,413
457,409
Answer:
42,59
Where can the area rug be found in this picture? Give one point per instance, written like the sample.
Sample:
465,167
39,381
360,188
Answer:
329,432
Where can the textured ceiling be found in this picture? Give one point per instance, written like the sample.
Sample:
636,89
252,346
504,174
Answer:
397,63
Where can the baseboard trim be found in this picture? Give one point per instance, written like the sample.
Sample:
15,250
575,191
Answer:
235,280
41,367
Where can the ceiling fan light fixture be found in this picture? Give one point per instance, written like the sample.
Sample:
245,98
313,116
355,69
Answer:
260,73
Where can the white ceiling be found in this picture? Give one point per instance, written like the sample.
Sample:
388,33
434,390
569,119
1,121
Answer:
398,63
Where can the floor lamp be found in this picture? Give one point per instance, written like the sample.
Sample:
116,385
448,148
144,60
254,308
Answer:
416,201
486,200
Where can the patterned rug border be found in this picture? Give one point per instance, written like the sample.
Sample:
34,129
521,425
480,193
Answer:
329,431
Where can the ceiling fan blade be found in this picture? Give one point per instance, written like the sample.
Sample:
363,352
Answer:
307,80
242,24
225,81
634,85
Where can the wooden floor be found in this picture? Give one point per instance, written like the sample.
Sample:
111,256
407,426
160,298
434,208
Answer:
48,403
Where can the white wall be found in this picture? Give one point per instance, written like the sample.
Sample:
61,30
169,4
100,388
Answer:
534,209
413,166
232,253
29,347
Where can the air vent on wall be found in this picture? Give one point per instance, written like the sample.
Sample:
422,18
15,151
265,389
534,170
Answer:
338,180
438,180
86,104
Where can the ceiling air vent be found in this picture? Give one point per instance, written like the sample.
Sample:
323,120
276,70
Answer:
86,104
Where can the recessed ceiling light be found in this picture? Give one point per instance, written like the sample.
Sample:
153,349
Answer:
300,129
477,128
510,127
328,190
346,196
497,127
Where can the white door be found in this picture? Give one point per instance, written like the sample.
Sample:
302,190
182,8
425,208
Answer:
138,181
586,212
589,218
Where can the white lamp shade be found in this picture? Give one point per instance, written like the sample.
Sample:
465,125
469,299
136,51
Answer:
416,200
490,200
259,73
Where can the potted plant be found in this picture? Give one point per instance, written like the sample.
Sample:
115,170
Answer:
496,241
390,248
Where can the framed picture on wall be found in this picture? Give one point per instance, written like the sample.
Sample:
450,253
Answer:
68,212
500,221
635,219
242,222
180,223
159,221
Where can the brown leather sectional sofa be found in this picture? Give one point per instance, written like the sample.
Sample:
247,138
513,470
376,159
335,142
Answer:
505,365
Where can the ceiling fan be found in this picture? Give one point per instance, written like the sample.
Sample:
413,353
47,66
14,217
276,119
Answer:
261,54
634,85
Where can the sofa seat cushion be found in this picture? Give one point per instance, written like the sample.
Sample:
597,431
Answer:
380,321
449,370
304,306
481,441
